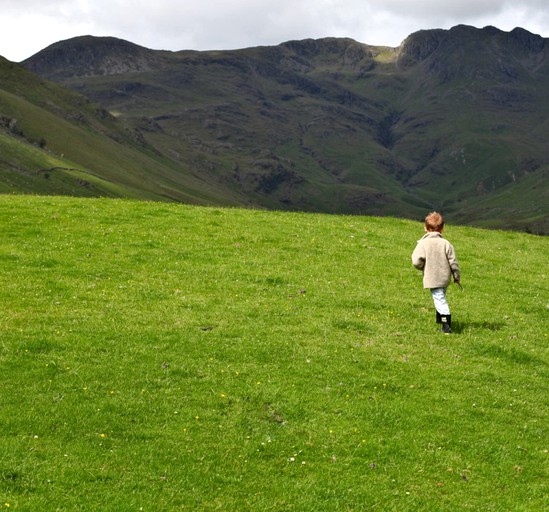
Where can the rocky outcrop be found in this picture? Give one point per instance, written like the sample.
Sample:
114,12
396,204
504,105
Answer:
92,56
465,52
418,46
526,40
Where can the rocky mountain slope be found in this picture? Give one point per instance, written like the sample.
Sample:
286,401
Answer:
56,141
452,119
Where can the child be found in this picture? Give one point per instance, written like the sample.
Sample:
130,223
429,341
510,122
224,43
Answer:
436,258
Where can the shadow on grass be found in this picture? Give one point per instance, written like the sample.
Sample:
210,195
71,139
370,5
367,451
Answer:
510,354
460,327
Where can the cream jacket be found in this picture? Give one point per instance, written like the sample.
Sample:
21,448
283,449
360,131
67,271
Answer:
436,258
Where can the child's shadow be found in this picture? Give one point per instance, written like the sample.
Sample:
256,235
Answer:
460,327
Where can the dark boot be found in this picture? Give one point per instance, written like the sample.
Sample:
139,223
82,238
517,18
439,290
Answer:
446,323
439,319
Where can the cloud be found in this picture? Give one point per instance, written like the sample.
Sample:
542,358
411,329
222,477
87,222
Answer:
30,25
217,24
429,9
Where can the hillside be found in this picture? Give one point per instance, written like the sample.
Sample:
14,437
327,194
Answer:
452,119
174,357
56,141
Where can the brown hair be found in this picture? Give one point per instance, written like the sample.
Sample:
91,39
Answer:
434,222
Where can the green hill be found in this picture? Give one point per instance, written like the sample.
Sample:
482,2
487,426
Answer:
56,141
169,357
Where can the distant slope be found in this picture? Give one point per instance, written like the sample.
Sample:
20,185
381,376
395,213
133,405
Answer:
452,119
55,141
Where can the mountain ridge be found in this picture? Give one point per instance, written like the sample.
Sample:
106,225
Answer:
93,56
451,119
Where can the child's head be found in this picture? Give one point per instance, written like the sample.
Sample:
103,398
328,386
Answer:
434,222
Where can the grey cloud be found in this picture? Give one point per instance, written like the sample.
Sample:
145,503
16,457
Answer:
218,24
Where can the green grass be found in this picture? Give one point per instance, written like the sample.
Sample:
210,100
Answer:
170,357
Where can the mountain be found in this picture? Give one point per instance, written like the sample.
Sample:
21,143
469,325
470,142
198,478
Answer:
93,56
56,141
451,119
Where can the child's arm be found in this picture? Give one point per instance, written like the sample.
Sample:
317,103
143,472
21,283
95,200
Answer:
454,265
418,257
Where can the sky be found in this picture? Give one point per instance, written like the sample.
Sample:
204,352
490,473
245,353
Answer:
28,26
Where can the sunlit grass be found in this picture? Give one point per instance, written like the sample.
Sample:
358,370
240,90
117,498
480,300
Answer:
166,357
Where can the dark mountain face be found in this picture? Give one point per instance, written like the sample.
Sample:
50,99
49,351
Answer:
92,56
452,119
467,53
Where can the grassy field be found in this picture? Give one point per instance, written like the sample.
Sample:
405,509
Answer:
168,357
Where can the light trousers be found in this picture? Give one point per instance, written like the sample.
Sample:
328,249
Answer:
439,298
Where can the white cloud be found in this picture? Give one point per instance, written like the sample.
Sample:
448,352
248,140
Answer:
30,25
